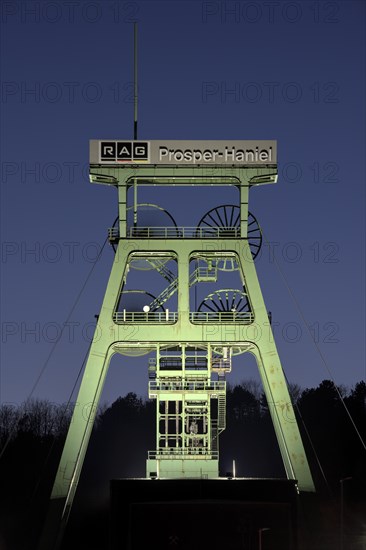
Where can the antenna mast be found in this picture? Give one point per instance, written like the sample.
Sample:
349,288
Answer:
135,81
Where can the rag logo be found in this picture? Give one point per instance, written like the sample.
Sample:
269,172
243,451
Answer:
124,151
108,150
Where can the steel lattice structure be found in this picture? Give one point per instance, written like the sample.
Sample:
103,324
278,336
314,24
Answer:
193,346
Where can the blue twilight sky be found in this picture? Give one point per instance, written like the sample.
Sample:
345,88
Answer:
291,71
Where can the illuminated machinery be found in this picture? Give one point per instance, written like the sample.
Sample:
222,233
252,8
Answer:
193,343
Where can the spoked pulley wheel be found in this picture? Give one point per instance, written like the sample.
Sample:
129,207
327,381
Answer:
149,216
224,220
226,300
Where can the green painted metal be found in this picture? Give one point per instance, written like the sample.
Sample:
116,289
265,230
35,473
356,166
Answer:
185,430
181,391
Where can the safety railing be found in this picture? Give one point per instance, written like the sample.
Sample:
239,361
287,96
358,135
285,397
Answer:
190,362
174,453
157,385
176,233
242,317
148,317
245,317
218,363
113,234
203,274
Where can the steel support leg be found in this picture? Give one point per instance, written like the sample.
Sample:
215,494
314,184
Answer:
274,383
85,410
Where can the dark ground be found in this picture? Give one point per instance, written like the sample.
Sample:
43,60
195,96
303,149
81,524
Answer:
30,460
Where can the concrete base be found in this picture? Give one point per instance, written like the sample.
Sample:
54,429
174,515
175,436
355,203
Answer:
194,514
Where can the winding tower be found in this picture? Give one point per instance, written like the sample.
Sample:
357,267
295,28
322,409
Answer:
192,342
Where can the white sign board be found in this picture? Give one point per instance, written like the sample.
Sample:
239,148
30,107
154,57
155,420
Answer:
184,152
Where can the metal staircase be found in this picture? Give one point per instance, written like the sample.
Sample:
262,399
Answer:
201,274
218,424
164,295
221,412
161,268
214,436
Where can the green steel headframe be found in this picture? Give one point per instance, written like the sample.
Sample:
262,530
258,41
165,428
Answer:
193,346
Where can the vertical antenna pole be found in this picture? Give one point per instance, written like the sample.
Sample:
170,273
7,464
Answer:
135,80
135,114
